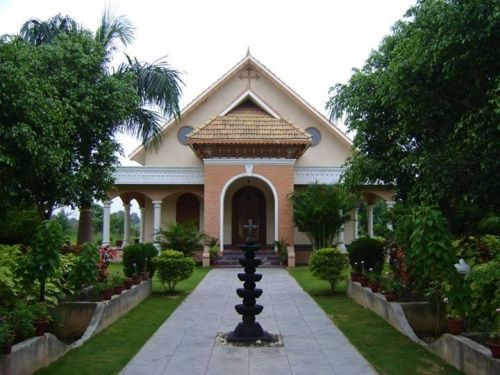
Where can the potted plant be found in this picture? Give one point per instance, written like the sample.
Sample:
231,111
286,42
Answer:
41,318
282,247
355,273
137,278
128,282
212,252
105,288
118,283
373,281
388,285
6,337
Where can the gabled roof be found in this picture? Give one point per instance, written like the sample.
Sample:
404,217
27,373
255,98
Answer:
250,60
248,124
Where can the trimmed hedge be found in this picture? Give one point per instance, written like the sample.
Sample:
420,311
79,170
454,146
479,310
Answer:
173,267
138,258
328,264
367,250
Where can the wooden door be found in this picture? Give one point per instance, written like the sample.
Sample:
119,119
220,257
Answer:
248,203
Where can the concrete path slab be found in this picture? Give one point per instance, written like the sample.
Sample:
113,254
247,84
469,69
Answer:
186,343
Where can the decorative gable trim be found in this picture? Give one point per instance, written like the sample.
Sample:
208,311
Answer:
254,98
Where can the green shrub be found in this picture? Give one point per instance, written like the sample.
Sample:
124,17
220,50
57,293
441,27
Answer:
20,320
184,237
474,250
490,225
19,227
485,286
493,245
369,251
6,338
44,256
138,258
10,283
172,267
84,272
328,264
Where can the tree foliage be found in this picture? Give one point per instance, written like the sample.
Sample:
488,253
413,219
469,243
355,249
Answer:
320,210
426,110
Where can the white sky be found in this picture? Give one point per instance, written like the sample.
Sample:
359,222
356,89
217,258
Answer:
310,45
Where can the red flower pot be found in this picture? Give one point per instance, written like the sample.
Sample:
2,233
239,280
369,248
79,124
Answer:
41,326
355,276
137,279
119,289
455,326
7,349
374,286
363,280
107,294
494,347
390,296
128,282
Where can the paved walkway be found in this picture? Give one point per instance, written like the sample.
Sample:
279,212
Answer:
186,343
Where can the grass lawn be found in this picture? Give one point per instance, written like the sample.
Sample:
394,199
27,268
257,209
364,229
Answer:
110,350
388,350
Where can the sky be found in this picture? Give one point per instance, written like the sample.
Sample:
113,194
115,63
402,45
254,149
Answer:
310,45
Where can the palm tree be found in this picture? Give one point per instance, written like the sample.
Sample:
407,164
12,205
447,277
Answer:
157,85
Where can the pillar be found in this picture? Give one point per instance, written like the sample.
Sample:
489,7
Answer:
106,213
341,240
355,223
369,213
390,205
142,225
156,222
126,225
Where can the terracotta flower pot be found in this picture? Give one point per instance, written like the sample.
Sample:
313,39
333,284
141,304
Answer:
363,280
355,276
137,279
7,349
390,296
41,326
107,294
374,286
119,289
128,282
455,326
494,347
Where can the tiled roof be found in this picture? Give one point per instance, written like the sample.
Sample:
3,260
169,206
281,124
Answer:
247,123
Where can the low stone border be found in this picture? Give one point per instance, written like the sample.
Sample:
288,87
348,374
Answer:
459,351
37,352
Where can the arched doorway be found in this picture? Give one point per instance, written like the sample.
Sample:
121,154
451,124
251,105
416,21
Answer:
188,209
249,203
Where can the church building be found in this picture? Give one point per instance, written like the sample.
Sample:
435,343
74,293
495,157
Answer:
238,152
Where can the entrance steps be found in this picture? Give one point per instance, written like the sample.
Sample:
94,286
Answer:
230,258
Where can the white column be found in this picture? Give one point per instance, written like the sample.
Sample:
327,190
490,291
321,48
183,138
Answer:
126,225
355,223
156,222
106,213
341,243
390,205
142,225
369,213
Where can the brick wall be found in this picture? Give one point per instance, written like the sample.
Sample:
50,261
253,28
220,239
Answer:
281,177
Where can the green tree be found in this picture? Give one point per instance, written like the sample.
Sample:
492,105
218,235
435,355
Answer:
95,149
425,108
320,210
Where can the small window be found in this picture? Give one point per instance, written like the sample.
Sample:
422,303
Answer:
315,135
183,133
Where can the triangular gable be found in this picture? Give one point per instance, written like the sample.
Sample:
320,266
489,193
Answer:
250,60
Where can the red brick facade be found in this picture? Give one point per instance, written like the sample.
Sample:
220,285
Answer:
280,176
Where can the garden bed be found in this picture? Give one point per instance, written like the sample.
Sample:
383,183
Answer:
76,321
459,351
